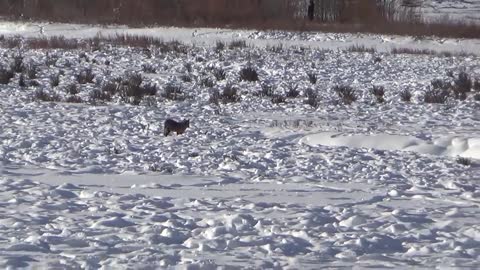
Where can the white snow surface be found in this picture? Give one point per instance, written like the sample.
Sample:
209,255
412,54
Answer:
250,184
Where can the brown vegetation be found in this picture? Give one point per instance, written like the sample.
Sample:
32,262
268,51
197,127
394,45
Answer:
372,16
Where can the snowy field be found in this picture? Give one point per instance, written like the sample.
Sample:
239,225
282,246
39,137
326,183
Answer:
251,184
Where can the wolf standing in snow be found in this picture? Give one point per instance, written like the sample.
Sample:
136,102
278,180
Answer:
172,125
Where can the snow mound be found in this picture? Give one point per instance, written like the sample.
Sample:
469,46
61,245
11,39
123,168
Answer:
441,146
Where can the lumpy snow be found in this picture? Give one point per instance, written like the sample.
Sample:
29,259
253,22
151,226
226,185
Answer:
251,184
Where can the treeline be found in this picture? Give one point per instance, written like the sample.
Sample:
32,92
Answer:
198,12
150,12
373,16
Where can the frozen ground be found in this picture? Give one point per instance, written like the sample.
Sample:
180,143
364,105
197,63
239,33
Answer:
250,184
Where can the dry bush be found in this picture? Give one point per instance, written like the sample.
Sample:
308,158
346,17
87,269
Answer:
219,46
406,95
31,70
237,44
110,88
72,89
186,78
74,99
99,95
44,96
379,93
463,83
268,90
219,74
207,82
230,94
85,76
11,42
441,84
275,48
312,77
278,99
464,161
147,68
360,49
346,94
54,80
55,42
173,92
248,74
6,76
312,98
292,90
17,65
436,96
476,84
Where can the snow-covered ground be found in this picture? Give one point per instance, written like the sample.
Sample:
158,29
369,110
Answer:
250,184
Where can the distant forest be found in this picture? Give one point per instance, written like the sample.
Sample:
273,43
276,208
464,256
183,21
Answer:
243,13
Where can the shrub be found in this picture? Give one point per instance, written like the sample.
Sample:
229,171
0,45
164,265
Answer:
275,48
230,94
277,99
110,88
50,60
189,67
361,49
463,83
219,74
100,95
44,96
346,94
17,65
312,77
21,81
267,90
34,83
207,82
214,97
248,74
173,92
6,76
237,44
476,85
147,68
55,42
15,42
133,79
85,76
312,98
72,89
150,89
186,78
435,96
406,95
379,93
464,161
74,99
292,90
132,87
441,84
55,80
219,46
32,71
